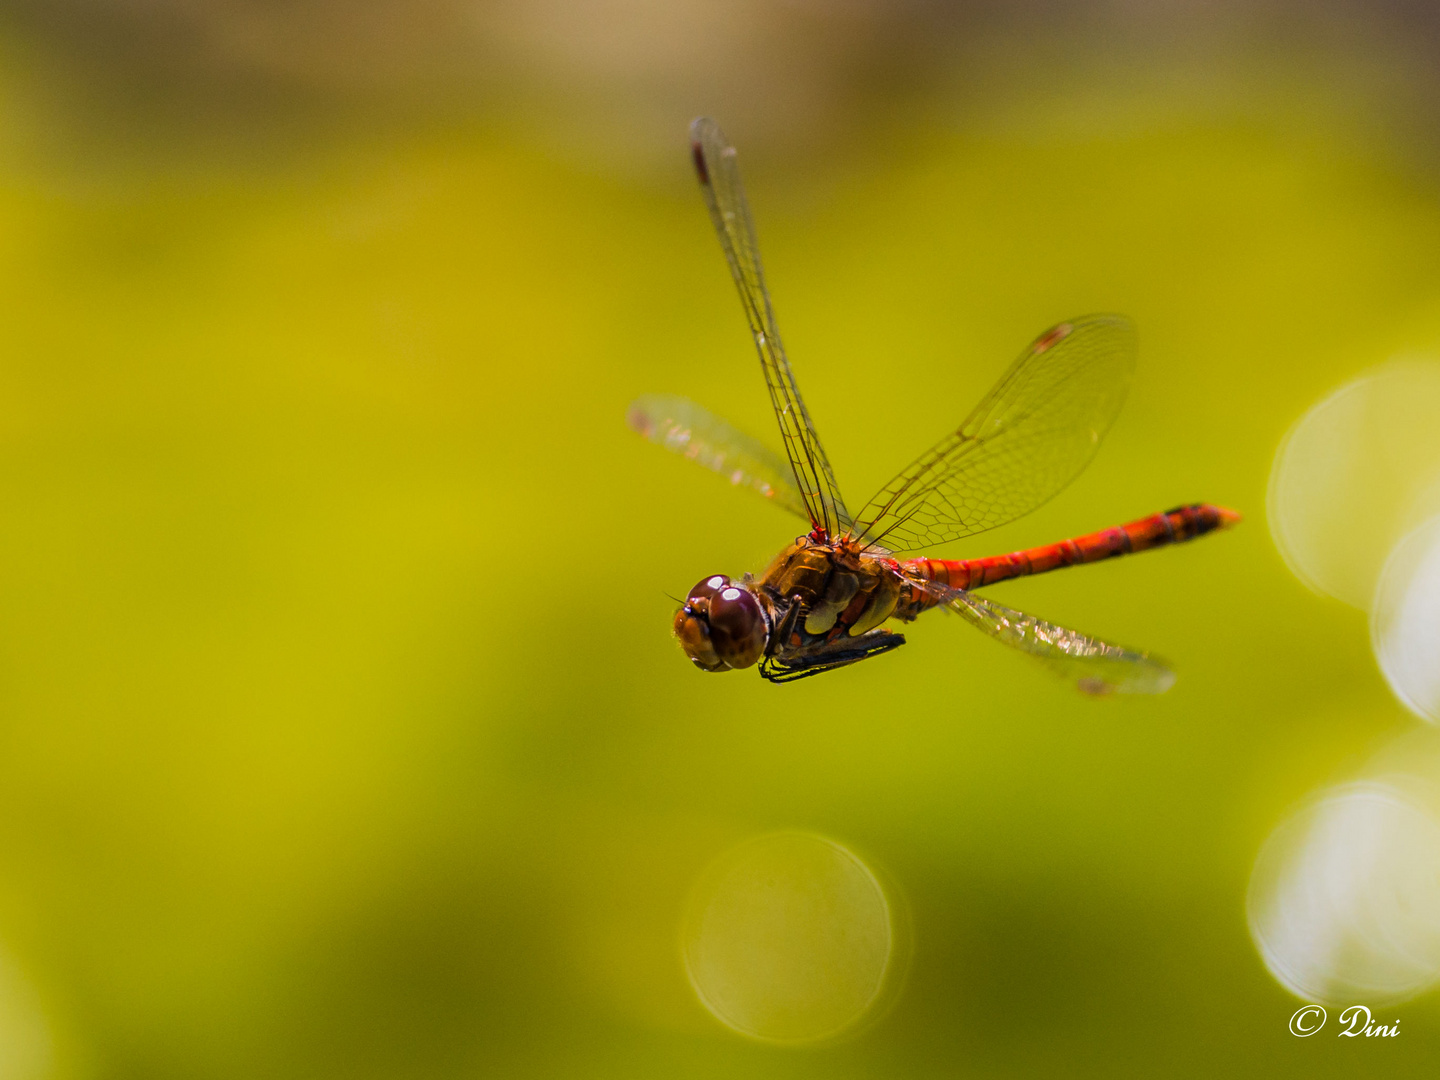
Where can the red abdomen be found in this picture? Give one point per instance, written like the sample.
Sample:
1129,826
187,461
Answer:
1172,527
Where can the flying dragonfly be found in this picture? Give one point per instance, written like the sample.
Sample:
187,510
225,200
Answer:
822,602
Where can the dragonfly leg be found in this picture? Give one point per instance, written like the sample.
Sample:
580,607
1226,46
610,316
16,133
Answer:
829,656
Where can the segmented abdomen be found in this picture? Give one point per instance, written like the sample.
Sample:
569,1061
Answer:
1172,527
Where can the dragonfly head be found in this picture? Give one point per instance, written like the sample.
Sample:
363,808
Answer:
721,625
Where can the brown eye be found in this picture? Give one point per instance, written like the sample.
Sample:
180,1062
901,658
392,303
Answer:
709,587
737,626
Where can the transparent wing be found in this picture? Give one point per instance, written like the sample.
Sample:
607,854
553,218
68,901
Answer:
1030,436
724,195
1092,665
684,428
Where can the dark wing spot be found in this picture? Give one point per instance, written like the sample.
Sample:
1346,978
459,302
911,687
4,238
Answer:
1051,337
639,421
698,153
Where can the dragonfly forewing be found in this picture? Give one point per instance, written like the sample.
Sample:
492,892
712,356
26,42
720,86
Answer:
719,173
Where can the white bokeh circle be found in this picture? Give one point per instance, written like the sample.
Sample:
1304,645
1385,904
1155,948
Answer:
1344,897
25,1045
1405,620
1354,474
789,938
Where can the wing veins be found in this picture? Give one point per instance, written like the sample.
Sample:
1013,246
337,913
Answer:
729,210
1092,665
1024,441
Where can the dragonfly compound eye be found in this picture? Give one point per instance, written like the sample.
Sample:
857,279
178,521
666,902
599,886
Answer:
737,626
709,587
692,630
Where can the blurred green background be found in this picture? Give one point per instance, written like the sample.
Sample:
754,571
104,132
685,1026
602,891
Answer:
341,731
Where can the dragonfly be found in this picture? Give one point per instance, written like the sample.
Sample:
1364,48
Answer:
821,603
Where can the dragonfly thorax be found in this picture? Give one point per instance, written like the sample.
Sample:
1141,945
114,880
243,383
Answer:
722,626
834,589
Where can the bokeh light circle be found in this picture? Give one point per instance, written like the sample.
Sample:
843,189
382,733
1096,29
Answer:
25,1046
1354,474
789,938
1405,620
1344,898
